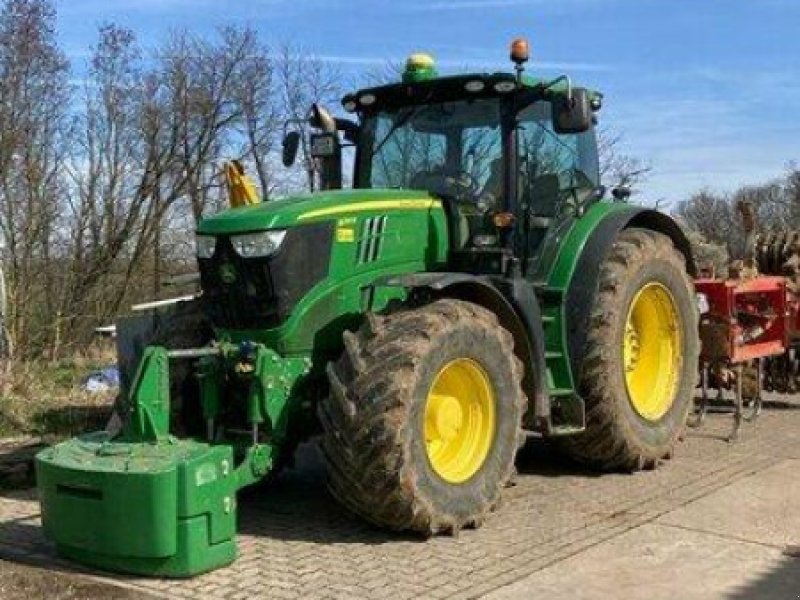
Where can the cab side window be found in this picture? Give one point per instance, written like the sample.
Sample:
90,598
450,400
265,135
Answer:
409,158
554,168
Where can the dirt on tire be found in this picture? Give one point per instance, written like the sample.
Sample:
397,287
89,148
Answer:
373,418
616,437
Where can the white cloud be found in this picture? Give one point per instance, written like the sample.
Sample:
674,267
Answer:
719,141
155,6
355,60
469,4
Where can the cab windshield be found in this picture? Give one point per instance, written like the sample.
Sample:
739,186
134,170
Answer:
455,150
452,149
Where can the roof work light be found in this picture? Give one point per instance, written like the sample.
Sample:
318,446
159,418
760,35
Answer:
520,51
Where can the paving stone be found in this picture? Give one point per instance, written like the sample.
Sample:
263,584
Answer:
648,563
296,542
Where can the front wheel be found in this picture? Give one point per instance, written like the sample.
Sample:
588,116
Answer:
423,420
640,366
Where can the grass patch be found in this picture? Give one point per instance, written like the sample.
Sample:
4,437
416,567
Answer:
43,398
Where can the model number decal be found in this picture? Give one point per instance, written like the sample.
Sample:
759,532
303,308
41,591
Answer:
345,234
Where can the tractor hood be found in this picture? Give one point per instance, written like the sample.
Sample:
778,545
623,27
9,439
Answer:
321,206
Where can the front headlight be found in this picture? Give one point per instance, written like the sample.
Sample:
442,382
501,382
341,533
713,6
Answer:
205,245
257,245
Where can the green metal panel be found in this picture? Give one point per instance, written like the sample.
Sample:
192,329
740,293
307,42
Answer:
86,497
558,276
277,214
149,419
561,87
207,489
194,555
572,245
413,239
148,503
155,508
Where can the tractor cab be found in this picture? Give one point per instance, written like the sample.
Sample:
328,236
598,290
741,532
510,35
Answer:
509,155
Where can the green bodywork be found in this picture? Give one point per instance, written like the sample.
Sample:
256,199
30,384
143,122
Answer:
166,509
146,502
415,239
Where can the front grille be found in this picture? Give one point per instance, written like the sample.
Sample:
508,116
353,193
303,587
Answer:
371,240
260,293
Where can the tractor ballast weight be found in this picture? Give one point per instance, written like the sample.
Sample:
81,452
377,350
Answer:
146,502
422,321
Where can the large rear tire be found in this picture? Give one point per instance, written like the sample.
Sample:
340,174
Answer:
640,367
422,424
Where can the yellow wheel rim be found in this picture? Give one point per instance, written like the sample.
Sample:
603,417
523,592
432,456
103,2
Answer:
652,351
459,420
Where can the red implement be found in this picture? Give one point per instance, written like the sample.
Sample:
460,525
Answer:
745,319
743,322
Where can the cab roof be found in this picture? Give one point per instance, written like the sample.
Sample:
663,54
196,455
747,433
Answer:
453,87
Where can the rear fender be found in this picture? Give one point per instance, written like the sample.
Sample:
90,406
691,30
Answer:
580,272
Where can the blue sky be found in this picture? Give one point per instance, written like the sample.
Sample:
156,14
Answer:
706,91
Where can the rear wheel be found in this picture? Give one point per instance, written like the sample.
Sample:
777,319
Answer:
640,367
423,420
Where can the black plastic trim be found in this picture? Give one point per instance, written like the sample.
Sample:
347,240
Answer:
264,291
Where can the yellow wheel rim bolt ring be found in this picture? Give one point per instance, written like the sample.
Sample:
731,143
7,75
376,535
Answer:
652,351
460,420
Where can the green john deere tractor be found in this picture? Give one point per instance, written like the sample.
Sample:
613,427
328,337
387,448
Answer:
472,288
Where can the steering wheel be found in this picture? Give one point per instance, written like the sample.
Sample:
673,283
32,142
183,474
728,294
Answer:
461,186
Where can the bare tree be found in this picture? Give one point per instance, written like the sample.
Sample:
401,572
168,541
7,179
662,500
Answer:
105,167
618,168
301,80
261,123
713,215
33,102
149,138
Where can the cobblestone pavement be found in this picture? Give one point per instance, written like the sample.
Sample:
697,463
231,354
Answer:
295,542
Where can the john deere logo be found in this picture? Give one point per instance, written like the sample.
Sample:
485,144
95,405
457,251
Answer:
227,273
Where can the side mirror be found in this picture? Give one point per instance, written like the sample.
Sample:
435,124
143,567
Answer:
572,115
622,193
291,142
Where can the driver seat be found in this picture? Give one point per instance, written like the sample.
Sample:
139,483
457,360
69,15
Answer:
421,180
545,200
